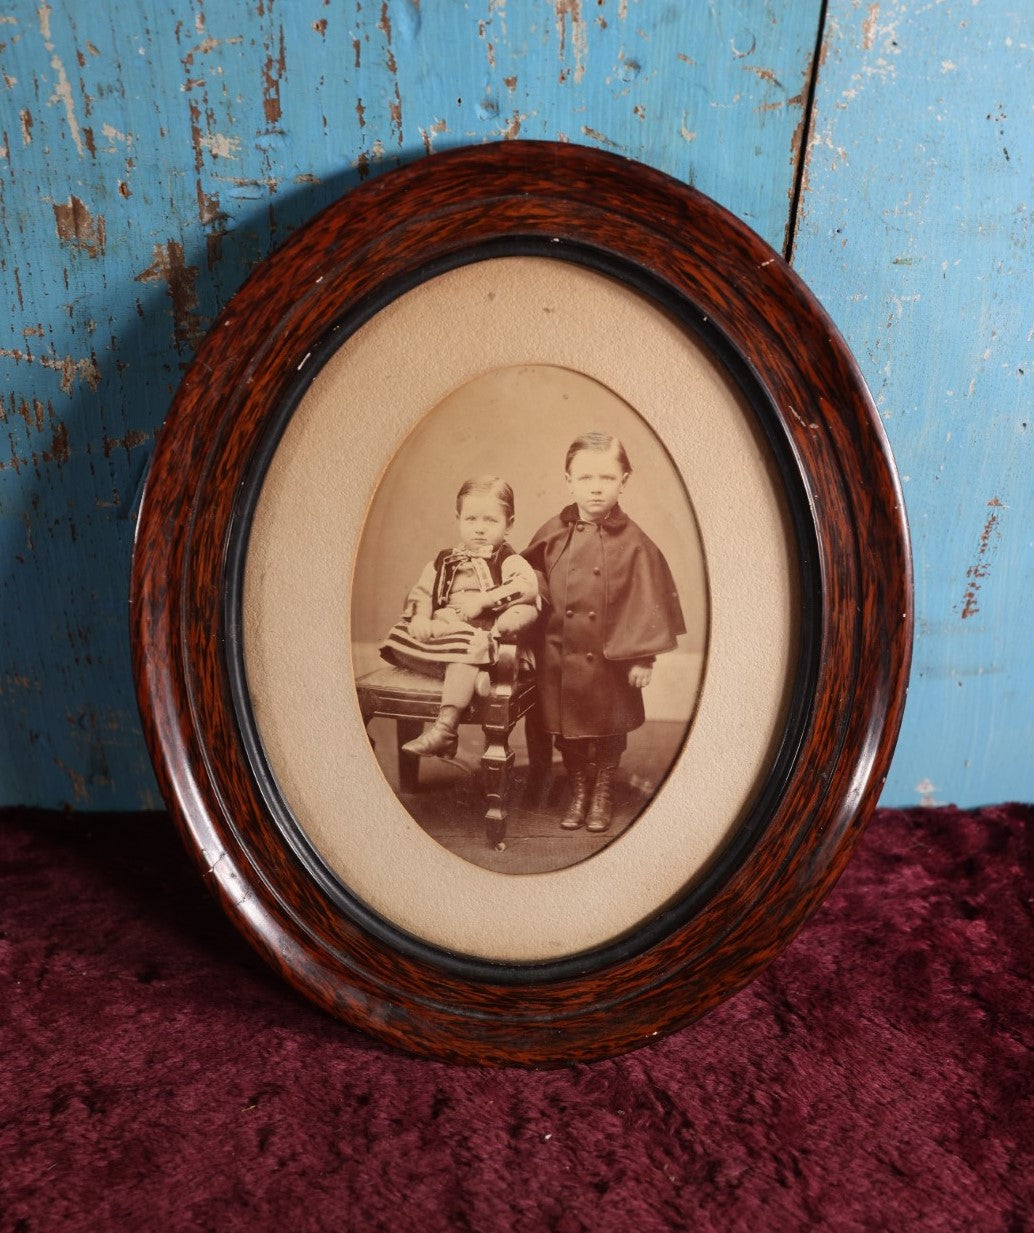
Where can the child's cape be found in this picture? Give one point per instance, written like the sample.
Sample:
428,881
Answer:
643,615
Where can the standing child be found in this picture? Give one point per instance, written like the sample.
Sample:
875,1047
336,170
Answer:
610,606
462,600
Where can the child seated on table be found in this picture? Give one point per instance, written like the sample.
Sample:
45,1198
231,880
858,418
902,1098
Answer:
465,598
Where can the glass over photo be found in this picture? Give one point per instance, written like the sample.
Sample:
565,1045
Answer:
529,619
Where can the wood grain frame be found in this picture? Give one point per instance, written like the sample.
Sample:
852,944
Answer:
722,282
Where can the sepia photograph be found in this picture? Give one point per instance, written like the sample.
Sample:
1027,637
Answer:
529,619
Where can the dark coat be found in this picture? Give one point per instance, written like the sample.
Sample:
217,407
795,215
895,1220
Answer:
609,601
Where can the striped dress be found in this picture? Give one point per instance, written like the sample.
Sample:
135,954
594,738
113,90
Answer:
455,640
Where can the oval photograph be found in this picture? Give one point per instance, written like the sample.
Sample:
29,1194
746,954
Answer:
529,619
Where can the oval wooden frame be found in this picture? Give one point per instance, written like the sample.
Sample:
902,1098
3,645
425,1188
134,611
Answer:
354,257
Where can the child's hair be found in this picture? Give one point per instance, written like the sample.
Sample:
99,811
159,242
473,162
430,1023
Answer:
601,441
487,486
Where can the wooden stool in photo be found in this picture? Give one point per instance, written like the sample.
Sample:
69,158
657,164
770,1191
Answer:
412,700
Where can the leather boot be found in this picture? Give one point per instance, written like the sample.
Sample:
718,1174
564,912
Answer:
440,739
581,787
601,811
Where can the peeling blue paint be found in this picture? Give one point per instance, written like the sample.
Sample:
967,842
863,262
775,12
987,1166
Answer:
916,233
149,158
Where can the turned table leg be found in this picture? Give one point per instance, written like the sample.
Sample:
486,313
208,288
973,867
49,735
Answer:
496,764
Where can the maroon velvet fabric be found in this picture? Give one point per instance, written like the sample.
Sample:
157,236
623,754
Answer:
878,1076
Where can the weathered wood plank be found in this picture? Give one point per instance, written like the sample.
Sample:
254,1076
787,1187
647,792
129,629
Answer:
916,233
152,153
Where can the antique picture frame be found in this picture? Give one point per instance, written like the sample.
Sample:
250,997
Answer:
511,259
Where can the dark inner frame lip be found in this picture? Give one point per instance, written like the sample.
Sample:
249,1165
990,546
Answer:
669,918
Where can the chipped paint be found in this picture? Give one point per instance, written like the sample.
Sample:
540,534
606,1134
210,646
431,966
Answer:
221,146
57,451
63,87
797,100
180,279
570,11
927,790
802,145
10,682
869,27
395,103
601,138
60,451
86,370
80,787
428,135
763,74
69,367
63,94
114,135
272,72
129,441
977,573
33,416
513,129
78,227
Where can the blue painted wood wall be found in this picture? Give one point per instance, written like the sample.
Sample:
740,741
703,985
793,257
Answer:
151,153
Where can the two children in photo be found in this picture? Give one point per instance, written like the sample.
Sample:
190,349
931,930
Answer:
592,595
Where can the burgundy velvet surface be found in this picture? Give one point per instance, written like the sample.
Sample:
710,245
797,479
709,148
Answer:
877,1076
